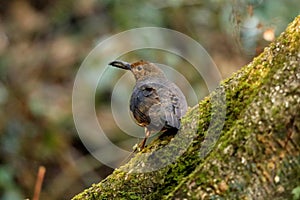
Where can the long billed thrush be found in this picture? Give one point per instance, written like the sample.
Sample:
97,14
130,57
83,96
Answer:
156,103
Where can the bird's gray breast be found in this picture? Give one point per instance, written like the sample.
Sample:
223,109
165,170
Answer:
157,104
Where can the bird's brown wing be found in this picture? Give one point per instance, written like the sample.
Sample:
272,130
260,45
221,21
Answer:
170,105
142,100
156,106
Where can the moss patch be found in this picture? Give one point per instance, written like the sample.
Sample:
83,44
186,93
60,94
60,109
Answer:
240,155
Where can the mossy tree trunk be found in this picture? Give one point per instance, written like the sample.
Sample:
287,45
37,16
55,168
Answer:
251,152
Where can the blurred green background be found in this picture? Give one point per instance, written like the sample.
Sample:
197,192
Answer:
44,42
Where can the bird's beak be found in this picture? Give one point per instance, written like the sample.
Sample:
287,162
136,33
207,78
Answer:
121,64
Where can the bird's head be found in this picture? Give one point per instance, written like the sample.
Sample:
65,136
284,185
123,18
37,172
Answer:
141,69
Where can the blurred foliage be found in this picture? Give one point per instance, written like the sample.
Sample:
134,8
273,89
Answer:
42,44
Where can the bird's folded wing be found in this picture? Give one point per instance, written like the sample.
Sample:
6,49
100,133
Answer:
141,101
171,107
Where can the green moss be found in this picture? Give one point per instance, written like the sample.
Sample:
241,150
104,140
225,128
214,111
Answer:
253,92
219,160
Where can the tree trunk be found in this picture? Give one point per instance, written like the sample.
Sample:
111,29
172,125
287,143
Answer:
241,142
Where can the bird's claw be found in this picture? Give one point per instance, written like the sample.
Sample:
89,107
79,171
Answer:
136,148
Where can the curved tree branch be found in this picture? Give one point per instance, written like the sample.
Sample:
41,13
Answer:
251,152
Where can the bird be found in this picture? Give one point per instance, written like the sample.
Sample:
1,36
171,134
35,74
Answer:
156,103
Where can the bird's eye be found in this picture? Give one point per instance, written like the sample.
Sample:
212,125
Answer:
139,68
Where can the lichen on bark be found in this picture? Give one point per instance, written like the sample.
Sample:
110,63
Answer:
252,152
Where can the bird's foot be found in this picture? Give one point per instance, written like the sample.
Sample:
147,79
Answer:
139,147
136,148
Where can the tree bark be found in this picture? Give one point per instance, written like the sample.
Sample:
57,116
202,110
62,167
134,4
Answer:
241,142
